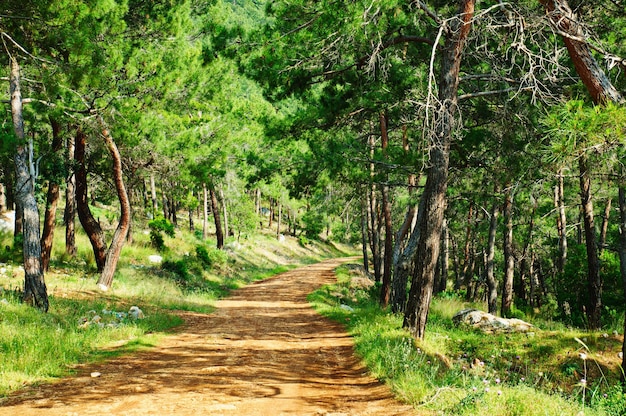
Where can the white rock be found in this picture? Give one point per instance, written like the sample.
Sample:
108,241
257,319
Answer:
135,313
155,258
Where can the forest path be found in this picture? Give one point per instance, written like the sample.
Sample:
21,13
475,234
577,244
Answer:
264,351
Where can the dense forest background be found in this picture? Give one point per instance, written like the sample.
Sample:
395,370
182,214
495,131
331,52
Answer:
470,149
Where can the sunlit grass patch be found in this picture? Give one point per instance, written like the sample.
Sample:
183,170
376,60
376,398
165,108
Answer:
459,371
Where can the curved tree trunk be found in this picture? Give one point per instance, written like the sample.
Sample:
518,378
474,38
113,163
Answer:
119,237
430,218
89,223
35,292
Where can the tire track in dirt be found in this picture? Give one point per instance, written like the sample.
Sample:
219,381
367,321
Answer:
264,351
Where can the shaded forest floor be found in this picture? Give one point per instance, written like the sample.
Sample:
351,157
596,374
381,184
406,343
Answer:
264,351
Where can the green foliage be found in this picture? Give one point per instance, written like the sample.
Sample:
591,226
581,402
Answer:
314,224
158,227
211,257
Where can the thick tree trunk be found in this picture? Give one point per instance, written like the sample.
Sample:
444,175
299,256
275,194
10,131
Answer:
3,199
591,74
594,282
89,223
52,200
69,215
492,284
509,260
119,237
216,217
35,292
225,213
434,196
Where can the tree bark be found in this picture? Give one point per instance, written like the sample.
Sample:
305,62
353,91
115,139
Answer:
594,281
119,237
205,215
69,215
153,196
509,260
492,284
90,225
561,221
385,289
364,233
219,234
52,200
622,264
35,292
430,218
605,225
591,74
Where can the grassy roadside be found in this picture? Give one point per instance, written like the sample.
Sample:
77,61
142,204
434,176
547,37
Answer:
464,372
86,325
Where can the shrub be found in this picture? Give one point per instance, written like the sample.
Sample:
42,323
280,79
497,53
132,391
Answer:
158,227
211,257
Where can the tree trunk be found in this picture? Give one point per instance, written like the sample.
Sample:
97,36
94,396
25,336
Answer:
364,234
561,221
225,212
205,215
153,195
434,197
69,215
622,265
35,292
605,225
3,199
52,200
492,284
278,223
591,74
119,237
89,223
385,289
373,217
216,217
594,282
509,260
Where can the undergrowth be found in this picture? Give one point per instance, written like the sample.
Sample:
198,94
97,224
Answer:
460,371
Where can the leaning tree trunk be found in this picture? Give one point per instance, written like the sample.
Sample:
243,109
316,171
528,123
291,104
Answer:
35,292
90,225
52,200
430,218
119,237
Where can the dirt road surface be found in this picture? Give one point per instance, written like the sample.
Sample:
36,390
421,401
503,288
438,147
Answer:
264,351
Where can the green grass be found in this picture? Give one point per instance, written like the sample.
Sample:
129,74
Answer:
457,371
36,347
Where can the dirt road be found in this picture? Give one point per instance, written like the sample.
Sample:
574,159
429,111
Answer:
264,351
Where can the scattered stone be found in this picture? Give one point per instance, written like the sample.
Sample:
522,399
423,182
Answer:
135,313
346,308
96,374
155,259
489,323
